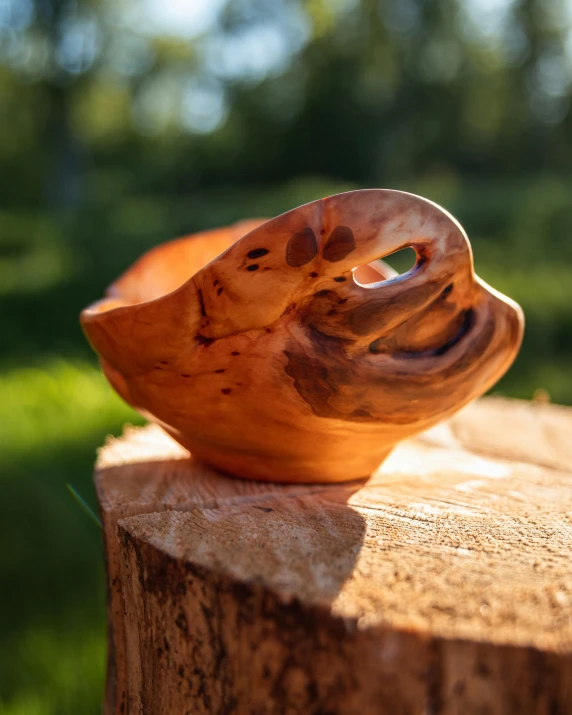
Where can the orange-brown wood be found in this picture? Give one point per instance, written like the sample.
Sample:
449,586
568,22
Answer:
264,351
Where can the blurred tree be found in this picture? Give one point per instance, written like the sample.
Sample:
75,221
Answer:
127,122
367,91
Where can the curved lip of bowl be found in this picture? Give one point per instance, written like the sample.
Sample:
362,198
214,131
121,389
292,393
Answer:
115,301
104,306
98,309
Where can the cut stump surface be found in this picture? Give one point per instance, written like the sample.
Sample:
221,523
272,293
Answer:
441,585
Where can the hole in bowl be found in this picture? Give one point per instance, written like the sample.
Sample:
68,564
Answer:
391,266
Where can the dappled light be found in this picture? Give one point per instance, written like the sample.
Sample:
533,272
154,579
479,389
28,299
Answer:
128,124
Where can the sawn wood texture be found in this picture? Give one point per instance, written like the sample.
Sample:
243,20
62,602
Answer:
441,586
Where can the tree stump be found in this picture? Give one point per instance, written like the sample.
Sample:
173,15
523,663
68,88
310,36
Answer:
443,585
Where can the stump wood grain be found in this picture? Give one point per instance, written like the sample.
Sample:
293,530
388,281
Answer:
441,586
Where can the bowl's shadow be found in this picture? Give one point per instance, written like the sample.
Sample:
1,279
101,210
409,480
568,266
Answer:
168,517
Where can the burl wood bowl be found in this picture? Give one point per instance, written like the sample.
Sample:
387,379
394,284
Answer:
273,350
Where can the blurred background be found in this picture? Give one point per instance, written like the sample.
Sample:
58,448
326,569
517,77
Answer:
127,122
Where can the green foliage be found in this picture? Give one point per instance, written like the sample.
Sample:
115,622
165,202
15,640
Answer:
52,637
119,133
55,410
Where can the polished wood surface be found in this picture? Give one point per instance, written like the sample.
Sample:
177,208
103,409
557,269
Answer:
264,351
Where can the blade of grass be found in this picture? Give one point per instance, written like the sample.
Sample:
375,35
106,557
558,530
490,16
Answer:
84,505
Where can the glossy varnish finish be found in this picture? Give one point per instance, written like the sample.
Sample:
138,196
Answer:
262,349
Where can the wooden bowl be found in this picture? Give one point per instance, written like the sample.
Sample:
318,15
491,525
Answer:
266,349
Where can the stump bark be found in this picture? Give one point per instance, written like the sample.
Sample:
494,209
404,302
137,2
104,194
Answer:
443,585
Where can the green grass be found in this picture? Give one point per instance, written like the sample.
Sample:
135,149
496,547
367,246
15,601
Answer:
52,621
56,405
56,408
64,669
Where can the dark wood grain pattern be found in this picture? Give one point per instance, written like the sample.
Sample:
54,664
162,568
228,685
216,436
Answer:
257,348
